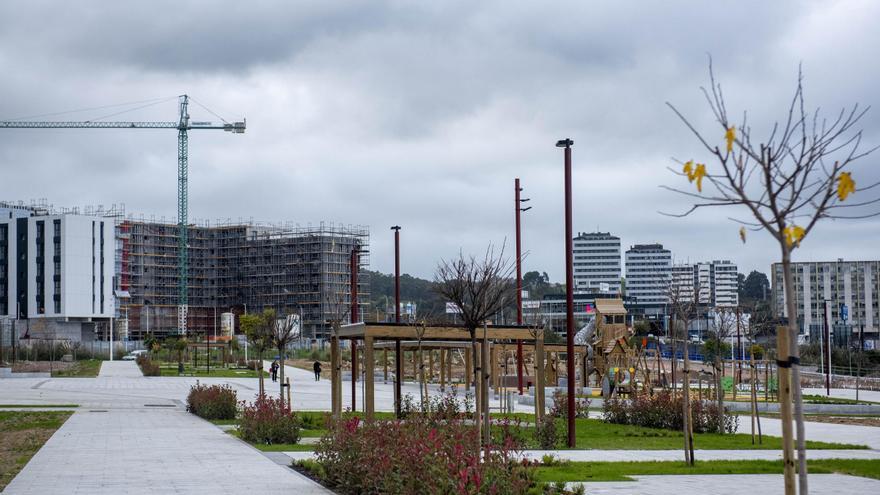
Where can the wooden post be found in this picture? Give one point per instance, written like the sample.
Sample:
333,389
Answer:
287,384
539,376
493,366
468,370
430,377
584,370
385,362
415,367
369,379
335,385
449,355
784,373
752,397
478,395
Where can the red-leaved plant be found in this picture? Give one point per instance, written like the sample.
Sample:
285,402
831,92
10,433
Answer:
268,421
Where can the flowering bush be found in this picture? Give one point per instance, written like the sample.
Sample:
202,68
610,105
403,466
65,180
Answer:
268,421
559,409
212,401
148,367
446,406
663,410
546,434
425,454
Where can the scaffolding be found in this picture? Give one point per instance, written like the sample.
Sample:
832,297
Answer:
237,267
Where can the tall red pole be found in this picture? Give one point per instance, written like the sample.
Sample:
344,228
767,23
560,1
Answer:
354,319
398,353
569,290
519,313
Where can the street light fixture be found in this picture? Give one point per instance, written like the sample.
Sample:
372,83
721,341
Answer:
519,310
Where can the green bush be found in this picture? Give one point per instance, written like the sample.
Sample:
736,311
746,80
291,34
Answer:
546,434
212,401
148,367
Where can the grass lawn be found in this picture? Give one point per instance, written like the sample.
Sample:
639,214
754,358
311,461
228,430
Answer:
276,447
87,368
171,370
824,399
597,434
23,406
622,471
22,433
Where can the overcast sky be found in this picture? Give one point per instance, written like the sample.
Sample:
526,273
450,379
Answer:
422,113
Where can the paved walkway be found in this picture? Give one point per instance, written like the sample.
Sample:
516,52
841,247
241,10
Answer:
845,393
729,484
133,436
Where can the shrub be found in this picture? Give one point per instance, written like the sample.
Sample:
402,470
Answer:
268,421
663,410
212,401
546,434
147,366
424,454
445,407
559,409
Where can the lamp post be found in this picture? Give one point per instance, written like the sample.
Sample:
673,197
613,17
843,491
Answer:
519,309
569,289
398,353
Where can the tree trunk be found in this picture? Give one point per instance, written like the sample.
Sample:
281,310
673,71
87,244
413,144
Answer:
719,395
686,407
795,373
476,369
484,390
281,376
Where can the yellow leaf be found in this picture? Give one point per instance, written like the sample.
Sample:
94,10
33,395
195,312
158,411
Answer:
689,170
730,136
699,173
793,235
845,185
742,234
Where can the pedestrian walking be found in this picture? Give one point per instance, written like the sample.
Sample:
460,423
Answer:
317,368
274,371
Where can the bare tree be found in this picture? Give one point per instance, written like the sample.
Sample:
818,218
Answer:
284,331
684,308
789,181
478,287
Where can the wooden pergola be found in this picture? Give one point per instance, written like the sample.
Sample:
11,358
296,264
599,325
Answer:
446,337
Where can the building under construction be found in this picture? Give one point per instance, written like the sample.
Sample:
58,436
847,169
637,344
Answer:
238,268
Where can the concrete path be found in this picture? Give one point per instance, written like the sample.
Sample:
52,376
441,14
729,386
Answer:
119,369
824,432
729,484
845,393
132,435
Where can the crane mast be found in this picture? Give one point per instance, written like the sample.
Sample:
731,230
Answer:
183,125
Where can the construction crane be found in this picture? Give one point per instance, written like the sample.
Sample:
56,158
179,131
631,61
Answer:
183,126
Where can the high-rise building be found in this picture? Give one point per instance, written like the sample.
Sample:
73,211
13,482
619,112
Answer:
853,284
596,262
648,275
710,284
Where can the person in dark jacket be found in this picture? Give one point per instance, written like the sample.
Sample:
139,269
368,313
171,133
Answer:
273,370
317,368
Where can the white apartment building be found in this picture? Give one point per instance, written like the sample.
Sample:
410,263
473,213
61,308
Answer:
57,267
712,284
596,262
648,275
850,283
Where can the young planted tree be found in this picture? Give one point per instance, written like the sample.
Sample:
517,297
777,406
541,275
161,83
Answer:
799,174
258,332
684,308
283,332
478,287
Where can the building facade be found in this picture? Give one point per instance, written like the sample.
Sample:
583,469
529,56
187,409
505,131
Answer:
648,276
710,284
596,262
823,288
56,270
241,268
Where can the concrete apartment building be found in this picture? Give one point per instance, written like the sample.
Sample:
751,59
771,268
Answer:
596,262
73,272
56,270
648,275
712,284
850,283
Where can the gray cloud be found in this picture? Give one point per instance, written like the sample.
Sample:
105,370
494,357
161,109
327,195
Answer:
422,114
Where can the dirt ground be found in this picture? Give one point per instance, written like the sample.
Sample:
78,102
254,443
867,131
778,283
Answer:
21,436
